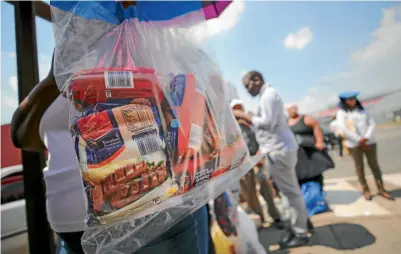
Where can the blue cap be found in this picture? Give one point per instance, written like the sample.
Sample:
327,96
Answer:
348,94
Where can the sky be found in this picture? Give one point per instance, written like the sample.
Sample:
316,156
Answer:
309,51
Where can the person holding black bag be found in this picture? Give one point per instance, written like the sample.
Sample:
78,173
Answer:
313,158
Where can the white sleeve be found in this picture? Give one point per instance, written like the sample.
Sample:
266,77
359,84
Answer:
341,125
371,127
268,118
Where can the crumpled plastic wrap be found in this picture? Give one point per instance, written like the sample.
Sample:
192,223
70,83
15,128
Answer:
150,119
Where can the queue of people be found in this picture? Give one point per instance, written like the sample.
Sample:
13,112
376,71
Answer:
294,150
296,153
278,142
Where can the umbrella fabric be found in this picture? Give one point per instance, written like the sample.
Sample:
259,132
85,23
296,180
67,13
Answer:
145,11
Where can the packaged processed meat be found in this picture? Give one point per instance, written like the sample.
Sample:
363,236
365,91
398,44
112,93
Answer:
187,104
134,154
120,146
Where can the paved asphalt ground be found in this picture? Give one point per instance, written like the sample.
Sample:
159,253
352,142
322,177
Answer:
353,225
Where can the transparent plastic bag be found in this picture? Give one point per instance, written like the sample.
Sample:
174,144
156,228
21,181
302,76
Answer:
232,231
153,132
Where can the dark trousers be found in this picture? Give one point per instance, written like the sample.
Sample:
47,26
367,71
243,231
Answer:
69,243
266,190
249,194
370,153
191,233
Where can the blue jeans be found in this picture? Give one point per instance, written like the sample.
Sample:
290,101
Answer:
67,248
191,235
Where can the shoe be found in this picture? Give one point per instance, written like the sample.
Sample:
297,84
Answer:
296,241
386,195
290,240
279,224
367,195
286,237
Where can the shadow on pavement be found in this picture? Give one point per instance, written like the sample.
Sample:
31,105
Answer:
341,197
342,236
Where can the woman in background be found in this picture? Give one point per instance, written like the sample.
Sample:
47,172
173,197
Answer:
41,122
313,158
358,128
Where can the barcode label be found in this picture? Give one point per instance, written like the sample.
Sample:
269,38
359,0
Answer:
195,137
149,144
119,79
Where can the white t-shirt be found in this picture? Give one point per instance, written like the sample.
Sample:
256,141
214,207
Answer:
65,204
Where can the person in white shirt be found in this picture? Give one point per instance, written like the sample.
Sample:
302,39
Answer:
278,142
358,128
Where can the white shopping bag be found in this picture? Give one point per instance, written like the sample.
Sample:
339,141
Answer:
247,229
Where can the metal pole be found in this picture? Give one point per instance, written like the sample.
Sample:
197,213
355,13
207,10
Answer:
39,234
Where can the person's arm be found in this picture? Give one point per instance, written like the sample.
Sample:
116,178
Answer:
371,127
243,121
268,118
26,119
341,125
317,131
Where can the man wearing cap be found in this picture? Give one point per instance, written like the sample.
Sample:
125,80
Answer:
278,142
